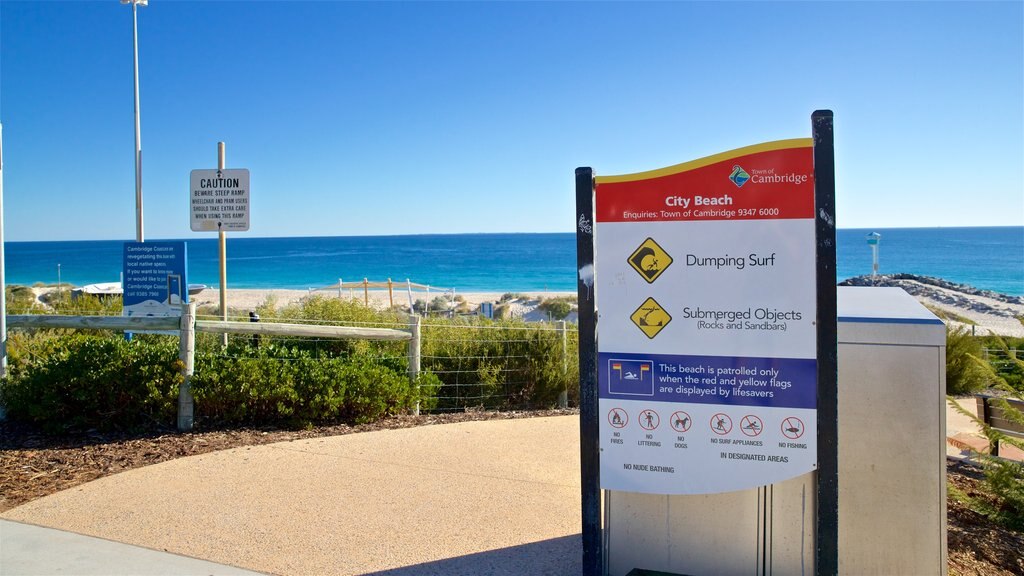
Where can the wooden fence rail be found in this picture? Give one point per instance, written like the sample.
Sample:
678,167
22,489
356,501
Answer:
93,322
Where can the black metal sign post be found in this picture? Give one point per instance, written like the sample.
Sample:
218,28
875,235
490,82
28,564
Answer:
590,479
827,538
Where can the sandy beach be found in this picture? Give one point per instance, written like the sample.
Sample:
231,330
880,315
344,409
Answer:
990,313
524,306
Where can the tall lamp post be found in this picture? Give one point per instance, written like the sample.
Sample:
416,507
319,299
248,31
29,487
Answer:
138,134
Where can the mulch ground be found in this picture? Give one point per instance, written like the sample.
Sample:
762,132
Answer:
33,465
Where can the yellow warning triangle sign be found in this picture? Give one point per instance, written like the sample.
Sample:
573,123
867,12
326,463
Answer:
650,260
650,317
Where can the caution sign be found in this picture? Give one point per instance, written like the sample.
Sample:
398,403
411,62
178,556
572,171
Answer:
650,260
650,317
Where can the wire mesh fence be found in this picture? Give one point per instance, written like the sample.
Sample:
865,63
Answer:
500,365
479,364
275,376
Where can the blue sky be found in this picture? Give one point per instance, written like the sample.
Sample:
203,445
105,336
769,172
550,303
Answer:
406,118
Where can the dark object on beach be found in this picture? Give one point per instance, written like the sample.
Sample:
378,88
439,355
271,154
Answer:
254,317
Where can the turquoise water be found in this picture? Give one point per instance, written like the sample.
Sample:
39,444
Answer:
989,258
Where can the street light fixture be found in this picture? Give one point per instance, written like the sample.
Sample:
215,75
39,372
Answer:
138,134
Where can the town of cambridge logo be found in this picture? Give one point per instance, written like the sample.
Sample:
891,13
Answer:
739,176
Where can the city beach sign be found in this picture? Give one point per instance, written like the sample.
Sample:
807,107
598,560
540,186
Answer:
707,366
707,315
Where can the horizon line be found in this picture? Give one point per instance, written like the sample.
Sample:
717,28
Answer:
162,239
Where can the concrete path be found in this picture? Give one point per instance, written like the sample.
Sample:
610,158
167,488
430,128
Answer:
492,497
27,550
964,435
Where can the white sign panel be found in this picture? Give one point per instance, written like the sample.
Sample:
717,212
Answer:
219,200
705,288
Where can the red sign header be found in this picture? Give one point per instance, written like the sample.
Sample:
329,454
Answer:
774,180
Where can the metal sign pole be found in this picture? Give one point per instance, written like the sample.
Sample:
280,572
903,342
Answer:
828,359
589,422
222,244
3,278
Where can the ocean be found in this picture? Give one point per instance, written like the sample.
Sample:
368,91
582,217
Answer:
991,258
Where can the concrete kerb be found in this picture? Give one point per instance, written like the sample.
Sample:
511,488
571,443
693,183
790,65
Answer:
29,550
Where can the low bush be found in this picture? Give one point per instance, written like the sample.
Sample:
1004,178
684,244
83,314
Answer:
64,302
1003,356
82,382
557,308
20,300
64,380
501,364
288,386
1004,479
963,374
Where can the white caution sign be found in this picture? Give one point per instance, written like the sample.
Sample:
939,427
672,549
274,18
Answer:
219,200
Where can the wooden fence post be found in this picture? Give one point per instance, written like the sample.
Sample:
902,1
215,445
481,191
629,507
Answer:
414,356
187,355
563,397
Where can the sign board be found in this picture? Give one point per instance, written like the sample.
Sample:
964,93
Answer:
705,283
219,200
155,282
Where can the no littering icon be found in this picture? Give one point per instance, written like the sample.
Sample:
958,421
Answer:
649,419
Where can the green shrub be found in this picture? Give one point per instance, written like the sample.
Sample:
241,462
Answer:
288,386
21,300
1004,479
551,372
963,374
500,364
61,379
62,302
82,382
1003,359
557,308
426,389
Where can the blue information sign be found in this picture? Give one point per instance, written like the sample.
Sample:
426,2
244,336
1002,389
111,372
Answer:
155,282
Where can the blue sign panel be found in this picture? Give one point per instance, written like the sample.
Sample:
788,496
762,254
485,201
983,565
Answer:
155,283
723,380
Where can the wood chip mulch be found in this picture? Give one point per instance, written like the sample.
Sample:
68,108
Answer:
34,465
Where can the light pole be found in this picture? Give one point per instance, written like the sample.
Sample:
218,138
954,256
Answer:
138,134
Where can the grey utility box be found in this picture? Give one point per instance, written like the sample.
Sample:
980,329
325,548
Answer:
892,472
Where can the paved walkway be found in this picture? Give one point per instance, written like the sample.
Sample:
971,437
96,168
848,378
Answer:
28,550
964,435
492,497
